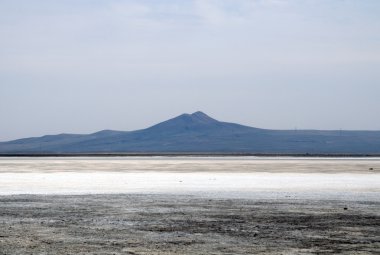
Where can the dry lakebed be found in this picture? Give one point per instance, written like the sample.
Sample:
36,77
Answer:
189,205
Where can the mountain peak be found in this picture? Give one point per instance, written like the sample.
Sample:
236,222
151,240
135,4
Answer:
186,120
199,113
202,117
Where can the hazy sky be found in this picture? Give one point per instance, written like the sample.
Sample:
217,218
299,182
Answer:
79,66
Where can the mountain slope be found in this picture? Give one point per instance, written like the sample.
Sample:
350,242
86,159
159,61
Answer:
198,132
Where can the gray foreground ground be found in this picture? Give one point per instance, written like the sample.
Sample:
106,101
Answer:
175,224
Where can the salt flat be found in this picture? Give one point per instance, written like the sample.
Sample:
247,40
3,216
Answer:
189,206
225,177
190,164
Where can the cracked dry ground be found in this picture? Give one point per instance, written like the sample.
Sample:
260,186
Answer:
173,224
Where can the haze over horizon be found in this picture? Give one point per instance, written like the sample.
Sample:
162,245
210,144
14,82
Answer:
84,66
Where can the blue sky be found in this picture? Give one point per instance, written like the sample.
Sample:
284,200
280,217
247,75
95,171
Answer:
79,66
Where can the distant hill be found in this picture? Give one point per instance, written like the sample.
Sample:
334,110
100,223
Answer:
200,133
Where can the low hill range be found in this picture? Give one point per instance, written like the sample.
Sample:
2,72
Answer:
199,133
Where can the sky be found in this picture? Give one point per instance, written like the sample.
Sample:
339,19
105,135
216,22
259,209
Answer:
80,66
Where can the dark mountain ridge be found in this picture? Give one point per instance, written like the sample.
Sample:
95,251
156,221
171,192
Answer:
198,132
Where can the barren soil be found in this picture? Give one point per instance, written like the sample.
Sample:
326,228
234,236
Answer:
180,224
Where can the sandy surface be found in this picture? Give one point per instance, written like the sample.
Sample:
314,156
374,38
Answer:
189,206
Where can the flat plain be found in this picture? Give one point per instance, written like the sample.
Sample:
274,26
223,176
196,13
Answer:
236,205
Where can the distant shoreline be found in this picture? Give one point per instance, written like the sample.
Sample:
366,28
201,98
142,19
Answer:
189,154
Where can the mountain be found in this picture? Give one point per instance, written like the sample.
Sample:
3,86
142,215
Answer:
200,133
